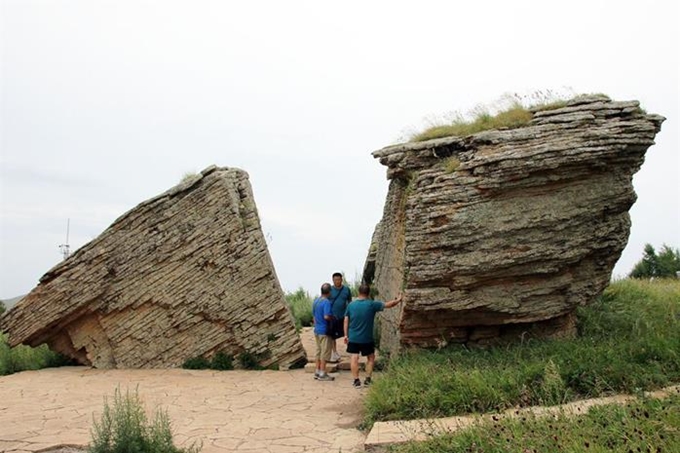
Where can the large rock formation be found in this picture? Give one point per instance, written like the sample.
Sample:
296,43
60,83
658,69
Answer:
505,232
184,274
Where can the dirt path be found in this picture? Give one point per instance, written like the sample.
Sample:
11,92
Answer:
256,411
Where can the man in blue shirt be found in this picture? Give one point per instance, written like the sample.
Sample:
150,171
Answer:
359,320
341,296
321,309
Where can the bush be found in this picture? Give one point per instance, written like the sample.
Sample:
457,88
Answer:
628,340
23,358
249,361
124,428
196,363
222,361
300,303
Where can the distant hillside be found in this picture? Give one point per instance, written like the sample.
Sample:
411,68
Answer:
9,303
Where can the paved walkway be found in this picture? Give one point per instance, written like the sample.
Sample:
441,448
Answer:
256,411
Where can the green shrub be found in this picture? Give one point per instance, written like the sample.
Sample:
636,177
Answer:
196,363
249,361
300,303
124,428
222,361
23,358
628,340
645,426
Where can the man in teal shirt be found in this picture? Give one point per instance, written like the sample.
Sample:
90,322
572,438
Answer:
341,296
359,320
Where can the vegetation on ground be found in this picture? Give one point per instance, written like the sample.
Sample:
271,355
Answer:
300,304
652,265
629,340
125,428
220,361
649,425
511,112
23,358
2,307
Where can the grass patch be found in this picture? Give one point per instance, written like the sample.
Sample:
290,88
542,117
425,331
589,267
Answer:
124,427
629,340
512,111
23,358
646,426
514,117
300,304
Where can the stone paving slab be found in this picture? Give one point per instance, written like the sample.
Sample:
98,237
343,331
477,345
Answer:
229,411
268,411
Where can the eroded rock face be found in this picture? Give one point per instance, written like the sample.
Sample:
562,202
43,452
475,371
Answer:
505,232
184,274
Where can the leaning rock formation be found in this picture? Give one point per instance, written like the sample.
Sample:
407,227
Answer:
505,232
184,274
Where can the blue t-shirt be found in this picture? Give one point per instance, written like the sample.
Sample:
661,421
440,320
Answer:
340,297
321,308
361,314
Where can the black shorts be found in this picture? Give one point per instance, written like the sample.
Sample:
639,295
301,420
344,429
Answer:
363,348
336,328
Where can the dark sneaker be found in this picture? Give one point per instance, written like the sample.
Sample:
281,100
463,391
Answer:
357,384
316,376
367,381
325,377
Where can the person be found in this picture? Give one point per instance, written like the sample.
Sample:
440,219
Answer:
321,309
358,326
341,296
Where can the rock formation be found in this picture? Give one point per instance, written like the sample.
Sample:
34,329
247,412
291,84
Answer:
184,274
505,232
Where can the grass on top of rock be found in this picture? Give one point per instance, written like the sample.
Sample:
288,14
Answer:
511,113
629,340
23,358
649,425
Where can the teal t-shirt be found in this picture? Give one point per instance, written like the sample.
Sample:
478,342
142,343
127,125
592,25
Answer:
361,314
340,297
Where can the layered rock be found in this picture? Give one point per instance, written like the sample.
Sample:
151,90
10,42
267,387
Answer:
184,274
505,232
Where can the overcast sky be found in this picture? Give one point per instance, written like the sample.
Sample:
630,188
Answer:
105,104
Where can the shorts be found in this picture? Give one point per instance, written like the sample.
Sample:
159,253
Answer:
323,347
363,348
337,328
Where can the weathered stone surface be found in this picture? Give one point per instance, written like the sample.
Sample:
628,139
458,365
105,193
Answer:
184,274
506,232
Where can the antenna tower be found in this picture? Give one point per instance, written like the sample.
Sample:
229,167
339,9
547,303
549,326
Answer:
65,248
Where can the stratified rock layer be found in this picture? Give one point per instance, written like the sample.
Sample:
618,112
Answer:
184,274
505,232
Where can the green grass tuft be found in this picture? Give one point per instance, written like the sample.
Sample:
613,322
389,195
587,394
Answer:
629,339
124,427
514,117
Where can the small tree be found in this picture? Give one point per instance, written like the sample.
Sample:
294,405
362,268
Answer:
2,307
665,264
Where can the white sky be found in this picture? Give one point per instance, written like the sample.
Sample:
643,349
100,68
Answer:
105,104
